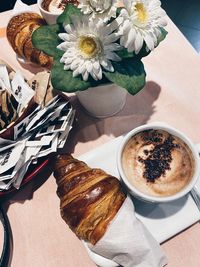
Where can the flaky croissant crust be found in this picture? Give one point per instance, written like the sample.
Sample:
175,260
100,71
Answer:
90,198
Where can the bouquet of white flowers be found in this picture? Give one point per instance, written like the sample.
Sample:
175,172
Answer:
98,42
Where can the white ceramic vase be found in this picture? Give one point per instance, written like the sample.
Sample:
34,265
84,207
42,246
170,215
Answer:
103,101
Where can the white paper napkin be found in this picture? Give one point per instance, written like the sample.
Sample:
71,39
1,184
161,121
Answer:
20,7
128,242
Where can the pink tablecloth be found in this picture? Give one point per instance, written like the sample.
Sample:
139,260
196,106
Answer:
172,94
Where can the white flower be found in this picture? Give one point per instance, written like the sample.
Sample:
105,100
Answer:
99,9
89,46
143,20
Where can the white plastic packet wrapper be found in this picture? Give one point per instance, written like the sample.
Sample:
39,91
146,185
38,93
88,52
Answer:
10,157
39,134
4,78
128,243
21,90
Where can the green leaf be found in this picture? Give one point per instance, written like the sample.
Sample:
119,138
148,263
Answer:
162,36
129,74
70,10
125,54
63,80
46,38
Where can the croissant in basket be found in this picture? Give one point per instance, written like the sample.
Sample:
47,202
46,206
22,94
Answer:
89,198
19,32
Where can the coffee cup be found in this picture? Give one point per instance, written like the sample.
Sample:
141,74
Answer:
49,16
158,163
51,9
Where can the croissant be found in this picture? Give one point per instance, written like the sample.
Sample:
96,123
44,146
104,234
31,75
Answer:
19,33
89,198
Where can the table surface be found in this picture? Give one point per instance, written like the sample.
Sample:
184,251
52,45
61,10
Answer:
172,94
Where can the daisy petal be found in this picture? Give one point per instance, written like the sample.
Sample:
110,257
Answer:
112,56
85,75
138,43
75,73
107,65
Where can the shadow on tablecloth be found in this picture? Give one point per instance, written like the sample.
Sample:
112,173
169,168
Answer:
137,111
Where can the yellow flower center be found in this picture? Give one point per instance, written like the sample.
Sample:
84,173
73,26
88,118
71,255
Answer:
88,46
141,12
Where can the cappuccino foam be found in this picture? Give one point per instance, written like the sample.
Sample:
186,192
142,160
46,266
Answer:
157,163
56,6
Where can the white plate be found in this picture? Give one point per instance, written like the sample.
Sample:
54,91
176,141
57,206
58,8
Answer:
162,220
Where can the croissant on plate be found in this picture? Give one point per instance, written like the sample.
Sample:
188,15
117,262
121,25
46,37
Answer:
89,198
19,33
